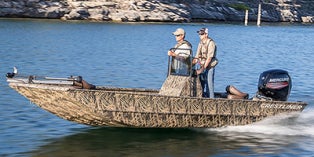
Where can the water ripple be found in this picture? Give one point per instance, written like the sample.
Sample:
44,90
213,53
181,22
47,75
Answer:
134,55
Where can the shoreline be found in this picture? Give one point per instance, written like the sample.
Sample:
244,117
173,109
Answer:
177,11
250,23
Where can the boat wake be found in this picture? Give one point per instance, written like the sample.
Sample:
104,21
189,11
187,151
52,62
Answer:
292,124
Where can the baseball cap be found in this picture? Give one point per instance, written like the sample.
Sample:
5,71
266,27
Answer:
202,31
179,31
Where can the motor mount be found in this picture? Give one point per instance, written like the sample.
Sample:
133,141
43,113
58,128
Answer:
275,84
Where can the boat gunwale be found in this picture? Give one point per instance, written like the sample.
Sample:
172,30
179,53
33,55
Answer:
137,91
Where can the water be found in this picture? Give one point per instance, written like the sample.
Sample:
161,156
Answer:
134,55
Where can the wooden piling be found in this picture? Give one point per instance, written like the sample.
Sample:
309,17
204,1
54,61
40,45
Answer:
246,17
259,14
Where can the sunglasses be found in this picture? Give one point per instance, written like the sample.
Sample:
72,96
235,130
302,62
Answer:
178,35
202,33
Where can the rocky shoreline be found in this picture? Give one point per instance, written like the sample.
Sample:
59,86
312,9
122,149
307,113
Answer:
160,10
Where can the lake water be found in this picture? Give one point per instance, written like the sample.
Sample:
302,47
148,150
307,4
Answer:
134,55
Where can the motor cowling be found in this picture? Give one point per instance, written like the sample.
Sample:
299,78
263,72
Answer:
275,84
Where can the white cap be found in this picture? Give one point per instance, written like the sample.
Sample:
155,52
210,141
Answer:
179,31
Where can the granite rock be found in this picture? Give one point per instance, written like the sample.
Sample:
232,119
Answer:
159,10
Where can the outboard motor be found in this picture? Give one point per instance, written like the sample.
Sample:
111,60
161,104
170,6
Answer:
275,84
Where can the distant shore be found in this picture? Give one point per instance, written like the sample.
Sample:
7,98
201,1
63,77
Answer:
160,11
251,23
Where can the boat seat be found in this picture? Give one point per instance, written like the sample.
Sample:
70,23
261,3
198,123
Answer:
234,93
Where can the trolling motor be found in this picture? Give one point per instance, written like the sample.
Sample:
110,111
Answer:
12,74
32,79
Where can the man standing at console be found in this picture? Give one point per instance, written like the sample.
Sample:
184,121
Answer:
180,53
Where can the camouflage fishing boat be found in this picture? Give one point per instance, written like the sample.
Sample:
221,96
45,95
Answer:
178,104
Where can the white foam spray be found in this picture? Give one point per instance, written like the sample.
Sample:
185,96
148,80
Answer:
292,124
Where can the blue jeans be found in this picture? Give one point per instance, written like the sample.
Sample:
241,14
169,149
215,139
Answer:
207,82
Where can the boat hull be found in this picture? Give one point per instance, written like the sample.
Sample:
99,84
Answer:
143,108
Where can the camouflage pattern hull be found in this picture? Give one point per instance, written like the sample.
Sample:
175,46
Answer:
144,108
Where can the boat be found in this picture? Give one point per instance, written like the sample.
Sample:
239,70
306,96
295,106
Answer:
178,104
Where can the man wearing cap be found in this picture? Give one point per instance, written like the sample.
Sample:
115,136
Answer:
206,51
180,53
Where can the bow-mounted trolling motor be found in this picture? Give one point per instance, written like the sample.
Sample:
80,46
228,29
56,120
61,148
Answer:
77,81
12,74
